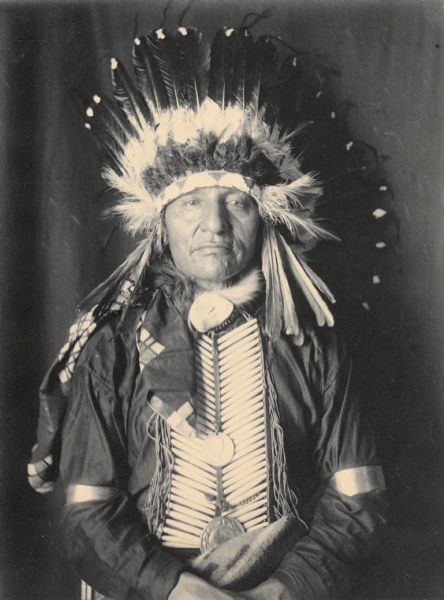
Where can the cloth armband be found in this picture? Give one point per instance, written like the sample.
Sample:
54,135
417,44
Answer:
359,480
88,493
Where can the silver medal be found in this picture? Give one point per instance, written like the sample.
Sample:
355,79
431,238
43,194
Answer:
218,531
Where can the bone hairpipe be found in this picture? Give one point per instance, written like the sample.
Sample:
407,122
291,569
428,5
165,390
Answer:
230,399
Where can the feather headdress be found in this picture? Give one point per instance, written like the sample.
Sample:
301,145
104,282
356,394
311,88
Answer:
196,110
196,117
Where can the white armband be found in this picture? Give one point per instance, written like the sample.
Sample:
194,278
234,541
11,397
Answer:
359,480
88,493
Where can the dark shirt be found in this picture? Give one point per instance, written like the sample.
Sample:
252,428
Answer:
104,442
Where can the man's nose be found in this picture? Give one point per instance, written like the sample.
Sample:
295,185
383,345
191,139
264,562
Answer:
214,216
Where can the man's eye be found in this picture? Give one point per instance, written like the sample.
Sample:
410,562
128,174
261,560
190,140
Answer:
191,202
238,202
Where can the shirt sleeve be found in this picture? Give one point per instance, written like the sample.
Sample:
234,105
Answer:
105,536
349,517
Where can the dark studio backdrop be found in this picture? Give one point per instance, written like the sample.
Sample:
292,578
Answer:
54,248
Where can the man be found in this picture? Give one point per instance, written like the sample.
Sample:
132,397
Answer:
202,420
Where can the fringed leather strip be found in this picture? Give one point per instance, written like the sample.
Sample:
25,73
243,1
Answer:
159,488
285,500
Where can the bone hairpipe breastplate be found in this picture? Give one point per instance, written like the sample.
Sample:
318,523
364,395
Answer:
220,480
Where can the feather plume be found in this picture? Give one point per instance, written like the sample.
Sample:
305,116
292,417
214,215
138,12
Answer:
137,216
196,52
127,96
221,67
284,98
318,305
119,118
137,207
290,93
148,76
317,281
170,59
264,71
273,292
108,143
279,303
109,124
281,203
290,322
105,109
243,61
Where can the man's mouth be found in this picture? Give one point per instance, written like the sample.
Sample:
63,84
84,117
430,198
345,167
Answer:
216,246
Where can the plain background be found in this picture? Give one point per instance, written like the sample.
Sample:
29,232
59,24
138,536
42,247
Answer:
54,248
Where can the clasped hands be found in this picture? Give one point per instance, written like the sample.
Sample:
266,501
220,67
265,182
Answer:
191,587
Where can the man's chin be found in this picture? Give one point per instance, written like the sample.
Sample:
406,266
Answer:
211,278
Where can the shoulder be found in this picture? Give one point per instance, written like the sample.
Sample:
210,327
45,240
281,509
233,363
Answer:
112,344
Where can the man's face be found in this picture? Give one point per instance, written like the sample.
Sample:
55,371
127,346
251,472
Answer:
212,234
